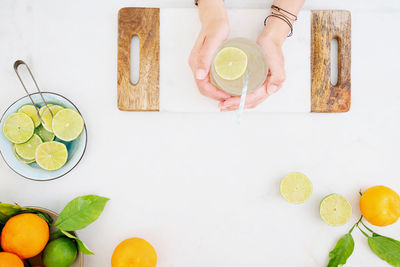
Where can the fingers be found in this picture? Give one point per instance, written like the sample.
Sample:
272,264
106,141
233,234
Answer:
252,100
205,55
275,60
209,90
200,61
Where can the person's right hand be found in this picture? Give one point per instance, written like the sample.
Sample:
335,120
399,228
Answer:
214,31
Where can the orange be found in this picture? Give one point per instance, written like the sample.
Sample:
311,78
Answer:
135,252
380,205
25,235
10,260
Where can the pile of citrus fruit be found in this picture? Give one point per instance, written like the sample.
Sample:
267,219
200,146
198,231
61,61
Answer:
29,236
39,134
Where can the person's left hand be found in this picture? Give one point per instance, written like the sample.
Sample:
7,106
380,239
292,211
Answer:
276,75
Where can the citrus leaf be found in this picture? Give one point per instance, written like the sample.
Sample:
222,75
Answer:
80,212
385,248
9,210
342,251
81,246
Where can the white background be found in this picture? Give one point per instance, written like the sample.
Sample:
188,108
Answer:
203,190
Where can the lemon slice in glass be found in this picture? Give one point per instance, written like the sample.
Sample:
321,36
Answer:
18,128
296,187
31,111
51,155
45,135
67,124
27,151
46,115
21,159
335,210
230,63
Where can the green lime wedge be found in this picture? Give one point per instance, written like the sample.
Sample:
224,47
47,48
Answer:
45,135
27,150
296,187
335,210
18,128
31,111
47,119
67,124
51,155
21,159
230,63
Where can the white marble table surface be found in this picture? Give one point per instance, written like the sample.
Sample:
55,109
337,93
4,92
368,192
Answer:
200,188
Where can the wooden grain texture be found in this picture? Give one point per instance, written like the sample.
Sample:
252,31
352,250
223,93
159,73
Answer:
145,94
326,25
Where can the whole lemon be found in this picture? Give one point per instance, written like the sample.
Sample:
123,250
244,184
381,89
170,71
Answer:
134,252
380,205
25,235
60,252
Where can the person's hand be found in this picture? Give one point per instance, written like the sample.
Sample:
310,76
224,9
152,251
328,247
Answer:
271,42
214,31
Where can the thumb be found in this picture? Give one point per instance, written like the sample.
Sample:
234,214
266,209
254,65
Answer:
276,79
205,57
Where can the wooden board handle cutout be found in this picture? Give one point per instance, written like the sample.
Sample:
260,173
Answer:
145,94
325,26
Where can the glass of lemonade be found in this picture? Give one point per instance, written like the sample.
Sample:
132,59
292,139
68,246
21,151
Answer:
241,56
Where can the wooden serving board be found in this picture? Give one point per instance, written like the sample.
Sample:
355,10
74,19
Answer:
166,83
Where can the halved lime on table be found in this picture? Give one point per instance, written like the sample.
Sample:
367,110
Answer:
67,124
296,188
335,210
51,155
230,63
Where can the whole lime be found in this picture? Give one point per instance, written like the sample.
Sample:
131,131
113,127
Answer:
60,252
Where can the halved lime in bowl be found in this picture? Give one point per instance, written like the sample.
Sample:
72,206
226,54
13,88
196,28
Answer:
27,151
18,128
67,124
31,111
33,171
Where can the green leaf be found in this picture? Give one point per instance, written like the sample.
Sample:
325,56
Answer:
385,248
9,210
80,212
342,251
81,246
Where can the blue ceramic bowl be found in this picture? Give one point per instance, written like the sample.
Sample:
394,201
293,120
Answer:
76,148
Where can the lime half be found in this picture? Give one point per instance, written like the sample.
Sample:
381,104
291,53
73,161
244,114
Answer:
335,210
230,63
31,111
21,159
18,128
296,187
67,124
51,155
46,115
45,135
27,151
